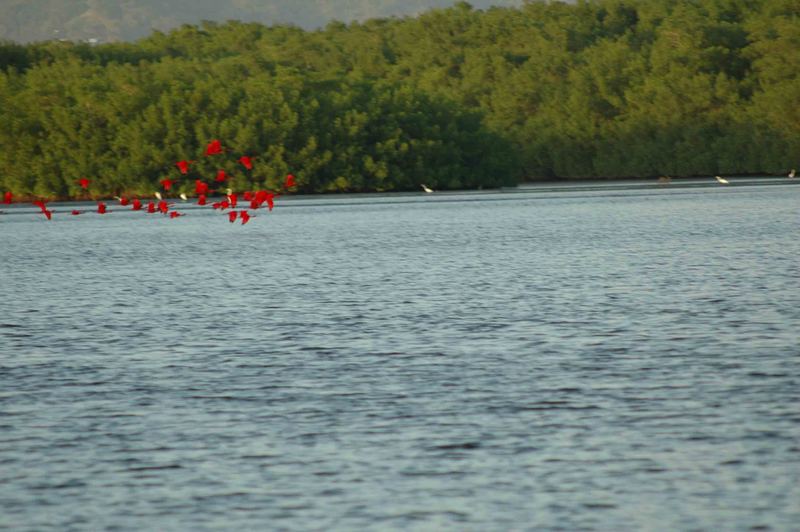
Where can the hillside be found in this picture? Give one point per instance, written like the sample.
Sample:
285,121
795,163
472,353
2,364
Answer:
114,20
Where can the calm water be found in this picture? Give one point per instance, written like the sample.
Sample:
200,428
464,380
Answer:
580,359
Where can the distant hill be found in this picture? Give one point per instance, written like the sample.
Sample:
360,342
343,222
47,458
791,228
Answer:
125,20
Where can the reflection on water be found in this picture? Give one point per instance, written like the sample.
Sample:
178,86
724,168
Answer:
608,359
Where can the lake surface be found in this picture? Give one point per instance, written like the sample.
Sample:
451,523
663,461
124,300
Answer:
570,358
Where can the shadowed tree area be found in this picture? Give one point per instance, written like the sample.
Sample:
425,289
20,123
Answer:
454,98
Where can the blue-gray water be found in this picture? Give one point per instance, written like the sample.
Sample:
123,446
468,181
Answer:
573,359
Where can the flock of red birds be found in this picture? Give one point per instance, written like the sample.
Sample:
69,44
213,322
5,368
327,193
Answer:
256,200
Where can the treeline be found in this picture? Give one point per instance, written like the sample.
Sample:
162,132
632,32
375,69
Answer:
455,98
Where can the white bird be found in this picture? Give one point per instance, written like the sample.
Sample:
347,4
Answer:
721,180
157,195
426,189
791,174
184,197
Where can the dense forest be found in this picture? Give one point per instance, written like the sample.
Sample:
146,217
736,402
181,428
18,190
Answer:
113,20
454,98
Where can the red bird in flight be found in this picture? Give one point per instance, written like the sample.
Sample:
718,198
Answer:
246,161
200,188
167,183
221,176
7,198
290,181
43,207
84,183
183,166
214,148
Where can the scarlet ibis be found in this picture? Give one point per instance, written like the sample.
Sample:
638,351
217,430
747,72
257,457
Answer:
290,181
201,199
221,177
247,195
233,199
163,207
175,214
101,207
200,188
214,148
137,204
183,166
75,212
151,207
232,216
43,207
244,216
84,183
167,183
7,198
246,161
122,200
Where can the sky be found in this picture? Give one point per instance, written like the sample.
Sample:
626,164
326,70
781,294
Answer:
124,20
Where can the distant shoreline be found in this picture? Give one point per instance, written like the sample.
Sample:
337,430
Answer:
541,185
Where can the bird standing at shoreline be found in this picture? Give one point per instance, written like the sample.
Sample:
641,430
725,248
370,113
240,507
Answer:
791,174
426,189
721,180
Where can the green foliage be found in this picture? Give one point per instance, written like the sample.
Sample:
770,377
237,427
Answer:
454,98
